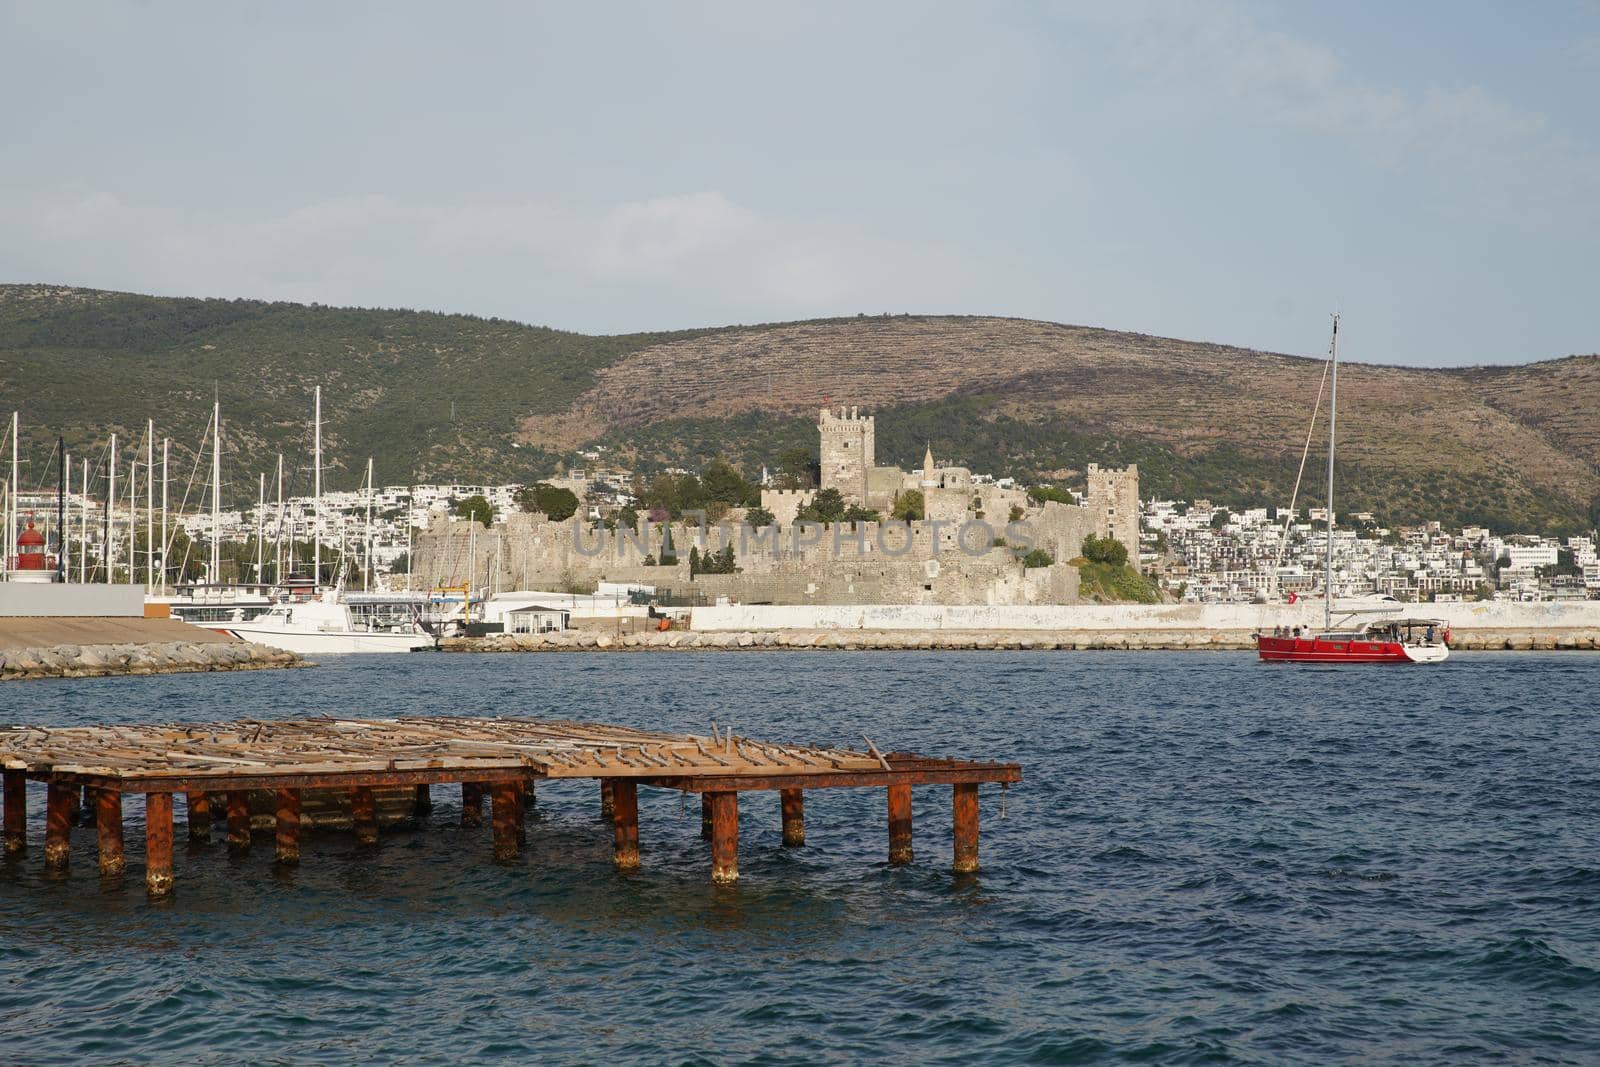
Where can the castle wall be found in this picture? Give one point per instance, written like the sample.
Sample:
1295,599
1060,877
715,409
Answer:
847,453
785,504
1113,497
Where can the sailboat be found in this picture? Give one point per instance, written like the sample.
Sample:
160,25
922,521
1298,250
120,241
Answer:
1403,640
325,624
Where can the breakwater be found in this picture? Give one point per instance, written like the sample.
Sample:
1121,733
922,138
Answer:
166,657
946,640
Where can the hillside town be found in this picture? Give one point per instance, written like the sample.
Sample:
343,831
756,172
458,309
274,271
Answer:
1191,551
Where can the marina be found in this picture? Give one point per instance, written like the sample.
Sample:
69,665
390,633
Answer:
503,759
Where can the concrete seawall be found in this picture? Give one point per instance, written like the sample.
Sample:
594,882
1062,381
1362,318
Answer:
81,646
911,640
168,657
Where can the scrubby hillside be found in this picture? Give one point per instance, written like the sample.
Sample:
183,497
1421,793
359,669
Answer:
436,396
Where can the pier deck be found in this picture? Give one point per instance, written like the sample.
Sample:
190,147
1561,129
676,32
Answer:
501,758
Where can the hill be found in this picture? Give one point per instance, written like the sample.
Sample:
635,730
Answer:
436,396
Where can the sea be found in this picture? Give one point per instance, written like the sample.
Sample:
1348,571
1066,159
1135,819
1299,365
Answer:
1209,860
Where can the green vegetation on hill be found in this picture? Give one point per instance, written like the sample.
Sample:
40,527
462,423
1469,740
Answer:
437,397
431,397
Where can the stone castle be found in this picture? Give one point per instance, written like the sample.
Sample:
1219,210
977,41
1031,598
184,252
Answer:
965,549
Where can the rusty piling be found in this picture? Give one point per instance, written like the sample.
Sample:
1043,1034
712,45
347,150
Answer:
16,813
625,824
58,824
794,817
108,827
899,824
197,813
724,837
965,811
158,845
286,819
238,821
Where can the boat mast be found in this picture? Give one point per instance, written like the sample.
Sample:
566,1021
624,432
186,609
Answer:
63,465
366,572
11,503
261,507
277,546
216,493
166,443
133,513
83,523
1333,422
316,493
111,503
150,506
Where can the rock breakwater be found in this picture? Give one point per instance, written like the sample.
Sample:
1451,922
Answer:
170,657
913,640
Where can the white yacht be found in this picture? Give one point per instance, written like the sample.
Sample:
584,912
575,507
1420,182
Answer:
325,626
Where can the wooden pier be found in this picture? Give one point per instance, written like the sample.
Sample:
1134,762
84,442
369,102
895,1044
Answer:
503,759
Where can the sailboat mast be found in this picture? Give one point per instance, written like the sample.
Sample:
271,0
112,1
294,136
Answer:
216,493
1333,423
316,493
366,570
166,443
63,465
277,545
83,523
261,507
111,504
11,503
150,505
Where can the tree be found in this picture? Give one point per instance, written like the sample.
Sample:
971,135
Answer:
909,506
477,508
1220,519
826,506
796,468
1038,558
1105,550
1041,494
675,494
722,482
759,517
857,513
557,504
627,516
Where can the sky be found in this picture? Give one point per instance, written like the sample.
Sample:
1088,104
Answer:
1228,171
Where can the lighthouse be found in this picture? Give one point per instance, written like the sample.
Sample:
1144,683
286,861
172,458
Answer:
30,563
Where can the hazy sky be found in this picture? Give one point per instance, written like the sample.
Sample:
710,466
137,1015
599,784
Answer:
1226,172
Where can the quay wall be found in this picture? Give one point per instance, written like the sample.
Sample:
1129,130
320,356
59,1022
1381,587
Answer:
55,599
1230,620
909,640
97,661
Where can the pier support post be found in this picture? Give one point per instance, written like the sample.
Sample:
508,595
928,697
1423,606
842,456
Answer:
16,803
625,823
724,837
530,794
58,824
705,816
364,813
899,824
158,845
238,821
197,810
504,813
108,824
520,789
608,801
422,807
286,838
794,817
471,803
965,804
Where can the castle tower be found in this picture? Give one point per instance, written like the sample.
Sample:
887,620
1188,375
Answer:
1113,499
848,449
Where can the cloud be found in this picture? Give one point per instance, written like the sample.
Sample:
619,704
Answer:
545,261
1210,61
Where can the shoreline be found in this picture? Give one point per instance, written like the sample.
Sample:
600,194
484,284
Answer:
130,659
950,640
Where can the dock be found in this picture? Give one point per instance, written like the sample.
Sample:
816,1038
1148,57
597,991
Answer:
227,763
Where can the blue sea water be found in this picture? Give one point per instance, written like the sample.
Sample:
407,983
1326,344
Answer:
1210,860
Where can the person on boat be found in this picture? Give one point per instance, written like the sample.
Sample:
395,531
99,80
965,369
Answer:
1297,633
1430,633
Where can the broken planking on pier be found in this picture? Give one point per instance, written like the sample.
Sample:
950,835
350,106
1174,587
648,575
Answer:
296,760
